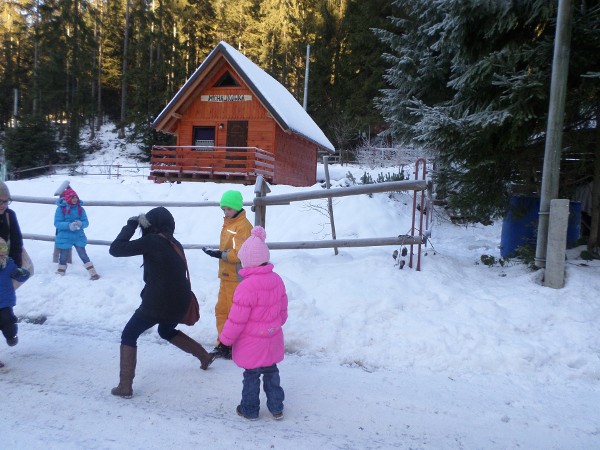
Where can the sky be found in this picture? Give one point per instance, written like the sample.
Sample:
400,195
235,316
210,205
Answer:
457,355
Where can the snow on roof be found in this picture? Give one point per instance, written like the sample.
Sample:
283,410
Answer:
273,95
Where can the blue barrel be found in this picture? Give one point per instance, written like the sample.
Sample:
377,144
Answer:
519,227
574,228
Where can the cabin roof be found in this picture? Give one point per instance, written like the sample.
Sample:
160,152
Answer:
280,103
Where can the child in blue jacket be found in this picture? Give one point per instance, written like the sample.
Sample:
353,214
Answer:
8,299
70,219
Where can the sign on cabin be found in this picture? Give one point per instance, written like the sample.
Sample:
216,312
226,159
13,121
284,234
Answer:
225,98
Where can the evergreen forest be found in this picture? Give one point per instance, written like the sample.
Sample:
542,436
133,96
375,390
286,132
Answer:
467,81
69,64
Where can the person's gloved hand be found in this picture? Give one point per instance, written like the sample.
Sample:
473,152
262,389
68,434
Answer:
20,272
212,252
133,221
74,226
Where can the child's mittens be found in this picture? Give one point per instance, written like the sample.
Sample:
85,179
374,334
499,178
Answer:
75,225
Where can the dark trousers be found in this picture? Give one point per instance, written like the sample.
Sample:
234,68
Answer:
8,322
138,324
586,224
63,255
250,404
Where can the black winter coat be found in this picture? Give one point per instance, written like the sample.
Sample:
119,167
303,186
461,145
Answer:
166,295
10,231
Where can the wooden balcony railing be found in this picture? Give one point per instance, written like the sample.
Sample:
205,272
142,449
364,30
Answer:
201,163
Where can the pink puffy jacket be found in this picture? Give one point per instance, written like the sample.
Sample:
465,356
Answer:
253,328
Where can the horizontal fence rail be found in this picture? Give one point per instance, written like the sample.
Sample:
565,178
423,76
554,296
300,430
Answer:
52,201
285,199
109,170
292,245
367,242
258,206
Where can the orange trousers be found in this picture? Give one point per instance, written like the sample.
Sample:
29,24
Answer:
224,302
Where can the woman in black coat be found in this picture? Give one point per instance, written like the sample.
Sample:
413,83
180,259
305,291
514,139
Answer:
11,233
9,226
166,295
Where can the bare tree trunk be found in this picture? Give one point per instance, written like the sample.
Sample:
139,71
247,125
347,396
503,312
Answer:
74,113
124,73
36,61
151,46
593,244
99,119
93,85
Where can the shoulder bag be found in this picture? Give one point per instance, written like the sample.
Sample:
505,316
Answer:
26,262
193,313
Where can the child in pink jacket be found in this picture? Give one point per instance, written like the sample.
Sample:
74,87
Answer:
253,327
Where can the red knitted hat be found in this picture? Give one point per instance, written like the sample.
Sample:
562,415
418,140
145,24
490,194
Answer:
68,195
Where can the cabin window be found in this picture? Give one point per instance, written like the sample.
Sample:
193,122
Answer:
204,137
227,81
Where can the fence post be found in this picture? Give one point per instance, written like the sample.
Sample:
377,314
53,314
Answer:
329,200
261,189
554,275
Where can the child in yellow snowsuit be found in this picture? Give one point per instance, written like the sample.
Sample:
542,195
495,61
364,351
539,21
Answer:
236,229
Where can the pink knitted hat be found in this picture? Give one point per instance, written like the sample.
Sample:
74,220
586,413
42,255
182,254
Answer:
254,251
68,195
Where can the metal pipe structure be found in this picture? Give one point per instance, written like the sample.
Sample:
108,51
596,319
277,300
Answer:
421,209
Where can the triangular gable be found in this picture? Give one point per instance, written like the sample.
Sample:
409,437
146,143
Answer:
226,80
280,103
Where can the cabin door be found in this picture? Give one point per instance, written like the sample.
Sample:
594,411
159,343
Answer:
237,136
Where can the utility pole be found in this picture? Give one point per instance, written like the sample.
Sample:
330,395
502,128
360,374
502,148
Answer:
556,110
15,107
14,124
305,104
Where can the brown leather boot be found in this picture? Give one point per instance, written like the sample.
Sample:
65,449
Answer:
127,372
188,345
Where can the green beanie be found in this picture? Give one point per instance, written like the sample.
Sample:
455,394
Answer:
233,200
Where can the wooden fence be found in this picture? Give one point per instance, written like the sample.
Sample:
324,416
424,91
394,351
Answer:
262,200
83,169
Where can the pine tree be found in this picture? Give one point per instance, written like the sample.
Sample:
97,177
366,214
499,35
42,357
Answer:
348,71
16,55
470,82
31,144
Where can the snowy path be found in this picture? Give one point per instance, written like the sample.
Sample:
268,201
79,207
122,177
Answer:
56,383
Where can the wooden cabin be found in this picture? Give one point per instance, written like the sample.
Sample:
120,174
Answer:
233,122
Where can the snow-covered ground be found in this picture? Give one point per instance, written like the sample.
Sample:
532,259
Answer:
455,356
